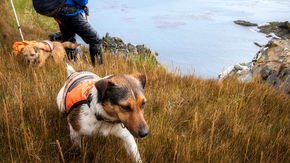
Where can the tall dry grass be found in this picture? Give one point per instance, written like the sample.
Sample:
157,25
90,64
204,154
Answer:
190,119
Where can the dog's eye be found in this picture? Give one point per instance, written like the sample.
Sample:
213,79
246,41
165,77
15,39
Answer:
126,108
143,105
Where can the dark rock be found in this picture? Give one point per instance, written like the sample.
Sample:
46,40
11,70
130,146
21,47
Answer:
274,80
285,73
280,29
116,46
245,23
265,72
132,49
286,85
285,76
285,25
257,44
141,49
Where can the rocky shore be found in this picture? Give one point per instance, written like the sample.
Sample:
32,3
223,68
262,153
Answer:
117,46
245,23
272,62
280,30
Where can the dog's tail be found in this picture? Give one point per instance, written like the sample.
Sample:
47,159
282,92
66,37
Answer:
69,69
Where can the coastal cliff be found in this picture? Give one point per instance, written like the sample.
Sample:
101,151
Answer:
272,61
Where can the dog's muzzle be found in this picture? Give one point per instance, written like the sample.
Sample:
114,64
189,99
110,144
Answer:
143,132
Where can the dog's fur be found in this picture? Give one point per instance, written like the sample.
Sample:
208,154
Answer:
116,98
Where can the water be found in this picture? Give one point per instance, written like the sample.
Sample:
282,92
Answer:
196,35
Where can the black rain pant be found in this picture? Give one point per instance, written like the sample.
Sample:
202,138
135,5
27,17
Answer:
71,25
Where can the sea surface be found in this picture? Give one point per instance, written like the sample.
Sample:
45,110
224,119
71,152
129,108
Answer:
197,36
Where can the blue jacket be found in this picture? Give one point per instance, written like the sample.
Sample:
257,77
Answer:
78,4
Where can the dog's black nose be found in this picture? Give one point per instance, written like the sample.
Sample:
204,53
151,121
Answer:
143,132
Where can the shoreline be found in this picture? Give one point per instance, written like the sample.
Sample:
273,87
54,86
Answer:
271,62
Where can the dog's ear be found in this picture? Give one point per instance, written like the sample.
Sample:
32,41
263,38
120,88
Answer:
141,77
102,86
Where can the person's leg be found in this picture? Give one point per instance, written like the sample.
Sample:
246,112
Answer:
81,27
64,27
66,34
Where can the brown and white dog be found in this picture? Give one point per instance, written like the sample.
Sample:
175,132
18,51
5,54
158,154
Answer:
113,105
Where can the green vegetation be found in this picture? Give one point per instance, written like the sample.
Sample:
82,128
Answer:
34,26
190,119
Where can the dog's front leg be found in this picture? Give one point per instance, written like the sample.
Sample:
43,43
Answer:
76,139
129,143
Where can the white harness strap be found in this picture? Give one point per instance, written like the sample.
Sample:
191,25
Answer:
49,43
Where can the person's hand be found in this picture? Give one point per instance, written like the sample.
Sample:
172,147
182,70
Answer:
86,10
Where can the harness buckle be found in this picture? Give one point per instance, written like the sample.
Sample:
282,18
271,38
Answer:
122,125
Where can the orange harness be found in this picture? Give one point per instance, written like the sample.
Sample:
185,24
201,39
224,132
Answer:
78,89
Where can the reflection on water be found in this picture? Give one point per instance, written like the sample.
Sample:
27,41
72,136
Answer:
189,33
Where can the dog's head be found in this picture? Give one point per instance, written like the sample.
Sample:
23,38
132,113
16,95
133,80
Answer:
122,97
30,53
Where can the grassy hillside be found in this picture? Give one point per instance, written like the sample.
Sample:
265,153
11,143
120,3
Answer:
190,119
